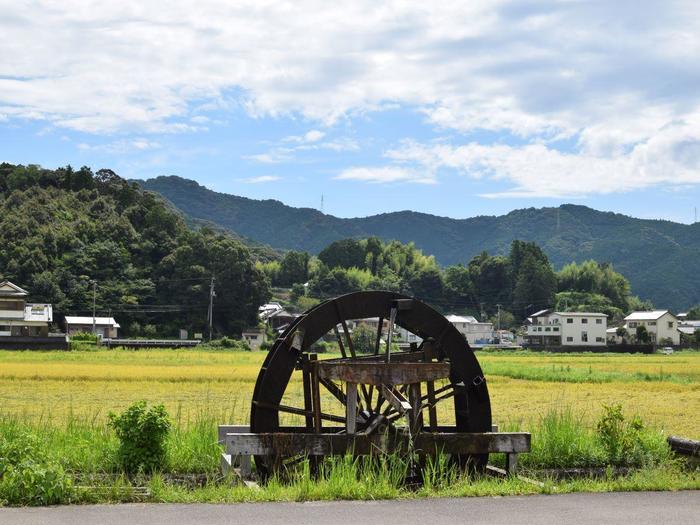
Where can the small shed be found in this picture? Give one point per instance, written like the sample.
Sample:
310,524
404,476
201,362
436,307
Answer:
105,327
255,337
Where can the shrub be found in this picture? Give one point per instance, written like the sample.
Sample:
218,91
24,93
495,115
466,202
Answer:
28,476
628,442
142,433
84,336
229,342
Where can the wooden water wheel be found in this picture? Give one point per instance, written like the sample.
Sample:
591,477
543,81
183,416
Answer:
375,402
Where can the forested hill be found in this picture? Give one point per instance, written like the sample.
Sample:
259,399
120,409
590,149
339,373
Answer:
660,258
63,230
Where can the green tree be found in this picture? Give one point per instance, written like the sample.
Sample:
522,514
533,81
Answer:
642,335
427,285
536,283
694,313
363,339
345,253
294,268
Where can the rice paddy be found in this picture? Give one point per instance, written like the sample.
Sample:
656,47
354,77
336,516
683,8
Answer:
55,387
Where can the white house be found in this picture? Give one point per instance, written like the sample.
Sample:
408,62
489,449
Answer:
105,327
567,328
19,318
474,331
660,324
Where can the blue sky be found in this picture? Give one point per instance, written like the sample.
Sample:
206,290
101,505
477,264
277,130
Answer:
459,110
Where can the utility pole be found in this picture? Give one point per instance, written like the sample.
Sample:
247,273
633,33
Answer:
211,306
498,323
94,301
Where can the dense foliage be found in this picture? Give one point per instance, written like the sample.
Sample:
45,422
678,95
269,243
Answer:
63,230
142,432
658,257
515,285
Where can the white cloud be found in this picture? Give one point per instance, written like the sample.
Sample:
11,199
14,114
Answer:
532,67
670,158
385,174
121,146
261,179
613,77
310,141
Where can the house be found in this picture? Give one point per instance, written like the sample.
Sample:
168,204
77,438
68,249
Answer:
567,328
275,316
19,318
105,327
255,337
475,332
267,309
661,325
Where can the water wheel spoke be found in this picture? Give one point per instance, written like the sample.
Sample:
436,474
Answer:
298,411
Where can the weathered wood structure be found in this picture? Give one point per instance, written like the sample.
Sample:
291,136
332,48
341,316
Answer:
369,404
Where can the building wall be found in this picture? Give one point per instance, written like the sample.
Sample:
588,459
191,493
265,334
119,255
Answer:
568,330
101,330
664,327
474,332
572,333
254,339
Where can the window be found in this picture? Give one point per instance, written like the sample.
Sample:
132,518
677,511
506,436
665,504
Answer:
633,324
670,324
598,321
569,339
547,329
599,340
569,321
584,336
555,329
584,321
652,323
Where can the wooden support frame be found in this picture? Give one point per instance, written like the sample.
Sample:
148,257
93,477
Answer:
311,444
373,373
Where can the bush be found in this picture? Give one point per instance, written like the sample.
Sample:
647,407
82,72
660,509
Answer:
28,476
84,337
229,342
628,442
142,433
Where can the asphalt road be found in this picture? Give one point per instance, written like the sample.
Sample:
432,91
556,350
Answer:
628,508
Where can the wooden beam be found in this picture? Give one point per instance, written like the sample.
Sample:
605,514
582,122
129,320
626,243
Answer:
286,444
373,373
351,408
396,400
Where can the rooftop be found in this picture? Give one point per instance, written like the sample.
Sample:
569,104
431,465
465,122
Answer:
461,318
8,289
99,321
652,315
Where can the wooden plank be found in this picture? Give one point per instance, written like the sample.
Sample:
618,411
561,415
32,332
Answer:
306,383
511,463
315,395
432,411
687,447
351,408
286,444
396,400
373,373
416,413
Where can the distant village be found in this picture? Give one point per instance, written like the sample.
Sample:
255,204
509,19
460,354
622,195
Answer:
29,325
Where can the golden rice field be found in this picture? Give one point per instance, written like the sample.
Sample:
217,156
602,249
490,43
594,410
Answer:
58,386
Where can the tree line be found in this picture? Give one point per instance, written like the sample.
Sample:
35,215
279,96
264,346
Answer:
516,285
63,230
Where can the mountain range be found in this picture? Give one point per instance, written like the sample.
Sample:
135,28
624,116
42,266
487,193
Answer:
661,259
